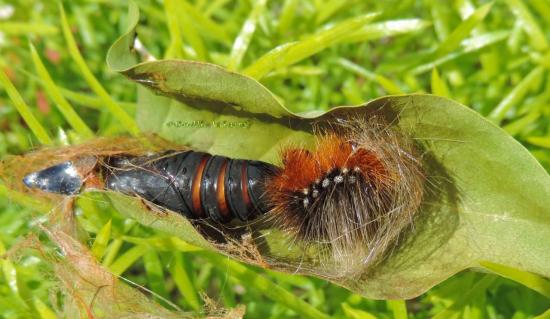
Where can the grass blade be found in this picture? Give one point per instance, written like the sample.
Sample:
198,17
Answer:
398,308
24,199
101,241
384,82
463,30
439,87
289,54
205,24
24,110
479,288
440,18
529,24
545,315
115,109
516,126
288,12
163,243
126,260
212,7
516,95
92,101
43,310
542,6
21,28
17,285
268,288
535,282
112,252
328,8
245,36
190,33
268,62
539,141
154,273
386,29
353,313
464,8
87,100
55,94
174,49
184,283
469,45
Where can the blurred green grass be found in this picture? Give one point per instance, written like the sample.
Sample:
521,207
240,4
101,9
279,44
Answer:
313,54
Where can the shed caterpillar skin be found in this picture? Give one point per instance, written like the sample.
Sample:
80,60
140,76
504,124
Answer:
352,195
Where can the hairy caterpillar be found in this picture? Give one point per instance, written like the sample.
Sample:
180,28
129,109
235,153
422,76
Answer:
352,194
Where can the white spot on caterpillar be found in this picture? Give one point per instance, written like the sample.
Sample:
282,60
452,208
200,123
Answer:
325,183
306,202
315,193
338,179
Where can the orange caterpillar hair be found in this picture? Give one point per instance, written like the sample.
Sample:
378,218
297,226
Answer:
353,194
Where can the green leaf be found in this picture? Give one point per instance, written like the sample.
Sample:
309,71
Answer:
482,183
173,224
